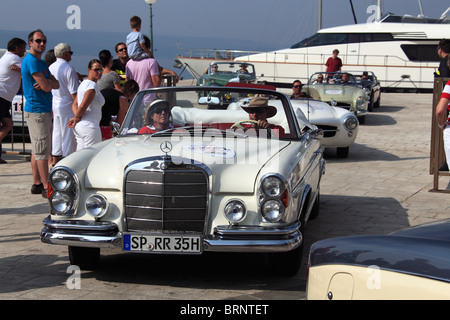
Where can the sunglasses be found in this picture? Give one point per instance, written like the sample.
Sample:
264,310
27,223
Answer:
39,41
297,86
159,110
123,49
256,110
97,70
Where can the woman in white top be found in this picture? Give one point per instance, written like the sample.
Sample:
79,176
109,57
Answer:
87,108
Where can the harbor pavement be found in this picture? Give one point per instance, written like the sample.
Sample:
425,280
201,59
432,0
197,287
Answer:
382,186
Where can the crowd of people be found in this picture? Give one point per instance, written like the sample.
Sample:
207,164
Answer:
65,111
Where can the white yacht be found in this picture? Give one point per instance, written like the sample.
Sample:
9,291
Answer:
400,50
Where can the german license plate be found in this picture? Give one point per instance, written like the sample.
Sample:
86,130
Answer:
159,243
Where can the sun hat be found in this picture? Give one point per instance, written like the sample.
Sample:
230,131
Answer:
260,102
151,108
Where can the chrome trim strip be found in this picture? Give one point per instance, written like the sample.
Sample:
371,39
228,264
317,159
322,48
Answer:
80,225
256,230
82,234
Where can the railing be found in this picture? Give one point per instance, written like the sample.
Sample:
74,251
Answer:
298,57
437,153
220,54
17,131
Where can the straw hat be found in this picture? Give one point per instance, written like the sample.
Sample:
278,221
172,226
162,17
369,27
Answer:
260,102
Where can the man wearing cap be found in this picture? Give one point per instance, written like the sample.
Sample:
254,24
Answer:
259,110
157,117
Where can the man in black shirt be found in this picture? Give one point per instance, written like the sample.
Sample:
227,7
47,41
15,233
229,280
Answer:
443,51
118,65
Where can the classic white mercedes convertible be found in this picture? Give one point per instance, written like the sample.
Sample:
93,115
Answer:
180,178
340,126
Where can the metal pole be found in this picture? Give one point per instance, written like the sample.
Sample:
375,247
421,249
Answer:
320,14
380,9
151,30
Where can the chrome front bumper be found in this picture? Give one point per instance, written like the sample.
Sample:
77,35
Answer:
225,238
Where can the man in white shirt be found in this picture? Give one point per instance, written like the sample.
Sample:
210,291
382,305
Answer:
10,80
63,138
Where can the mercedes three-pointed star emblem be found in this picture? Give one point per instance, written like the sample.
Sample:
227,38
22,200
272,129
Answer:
166,147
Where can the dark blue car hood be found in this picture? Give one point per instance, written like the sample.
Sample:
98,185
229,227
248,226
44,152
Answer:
423,250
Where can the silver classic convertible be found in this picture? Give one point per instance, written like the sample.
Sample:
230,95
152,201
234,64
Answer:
244,180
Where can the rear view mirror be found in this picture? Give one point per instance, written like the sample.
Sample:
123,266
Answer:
209,100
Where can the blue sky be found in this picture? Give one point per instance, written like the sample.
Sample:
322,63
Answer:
270,24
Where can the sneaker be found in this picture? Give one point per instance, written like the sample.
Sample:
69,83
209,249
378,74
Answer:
45,193
37,188
2,161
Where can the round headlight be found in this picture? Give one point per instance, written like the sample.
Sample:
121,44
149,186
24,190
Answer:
351,123
97,205
273,186
360,103
272,210
235,211
61,180
61,203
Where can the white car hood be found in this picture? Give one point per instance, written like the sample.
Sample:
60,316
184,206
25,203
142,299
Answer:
234,163
314,109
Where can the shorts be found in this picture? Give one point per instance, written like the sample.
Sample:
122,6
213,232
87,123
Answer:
40,127
447,143
5,108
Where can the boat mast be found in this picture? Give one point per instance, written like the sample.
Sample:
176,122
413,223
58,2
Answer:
320,14
421,9
353,12
379,12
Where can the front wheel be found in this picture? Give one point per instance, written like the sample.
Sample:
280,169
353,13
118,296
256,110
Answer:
371,103
85,258
342,152
287,263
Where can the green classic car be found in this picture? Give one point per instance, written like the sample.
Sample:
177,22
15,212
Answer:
225,74
220,73
340,90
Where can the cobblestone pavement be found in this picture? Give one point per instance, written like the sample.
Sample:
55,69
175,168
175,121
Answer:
382,186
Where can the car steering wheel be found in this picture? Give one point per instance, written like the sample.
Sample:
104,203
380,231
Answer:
253,122
240,123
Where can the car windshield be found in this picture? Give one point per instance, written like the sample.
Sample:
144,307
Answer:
224,110
364,76
332,78
230,68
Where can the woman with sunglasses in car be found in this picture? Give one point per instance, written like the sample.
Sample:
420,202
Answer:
157,117
87,108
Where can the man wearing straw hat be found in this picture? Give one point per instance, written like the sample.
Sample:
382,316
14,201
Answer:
259,110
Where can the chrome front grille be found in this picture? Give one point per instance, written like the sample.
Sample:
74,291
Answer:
166,200
328,131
